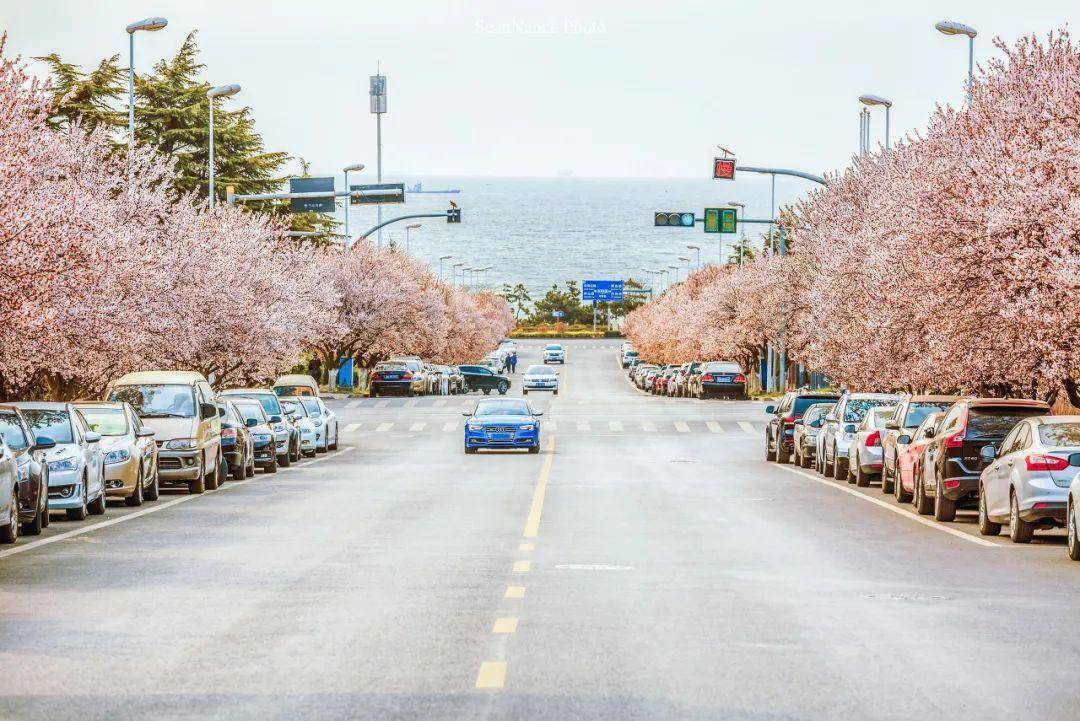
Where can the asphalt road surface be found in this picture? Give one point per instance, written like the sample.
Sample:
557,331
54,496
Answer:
647,564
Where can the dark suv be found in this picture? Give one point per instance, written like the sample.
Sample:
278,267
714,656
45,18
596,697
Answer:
951,465
780,433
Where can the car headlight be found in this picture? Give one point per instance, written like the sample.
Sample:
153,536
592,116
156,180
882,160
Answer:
474,426
181,444
64,464
117,456
526,426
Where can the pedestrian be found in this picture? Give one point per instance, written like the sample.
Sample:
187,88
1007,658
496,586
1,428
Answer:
513,362
444,384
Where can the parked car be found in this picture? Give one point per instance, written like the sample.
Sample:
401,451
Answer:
481,378
432,379
131,455
502,423
237,446
628,357
909,454
865,452
457,380
555,353
25,473
286,434
395,376
415,366
719,378
181,409
1072,517
296,385
910,413
637,376
1026,483
296,412
950,467
839,429
325,422
263,445
780,431
804,439
540,378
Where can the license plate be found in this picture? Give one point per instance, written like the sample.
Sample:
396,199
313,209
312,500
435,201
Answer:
499,436
723,379
392,376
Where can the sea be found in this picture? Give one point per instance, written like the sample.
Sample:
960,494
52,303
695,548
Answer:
544,231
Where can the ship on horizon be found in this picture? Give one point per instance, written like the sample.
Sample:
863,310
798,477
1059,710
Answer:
419,188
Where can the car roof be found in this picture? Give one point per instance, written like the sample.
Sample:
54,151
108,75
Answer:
116,405
883,396
40,405
1051,420
1017,402
233,391
162,377
294,378
933,398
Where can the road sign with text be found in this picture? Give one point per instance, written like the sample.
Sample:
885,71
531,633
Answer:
602,290
723,168
311,185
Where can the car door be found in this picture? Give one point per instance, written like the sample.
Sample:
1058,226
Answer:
889,436
91,454
995,481
209,423
144,445
933,455
828,431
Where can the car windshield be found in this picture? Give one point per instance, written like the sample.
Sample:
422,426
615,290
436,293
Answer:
917,411
856,408
553,347
294,408
157,400
540,371
1060,435
997,422
717,367
879,416
382,367
269,401
49,423
502,408
804,402
311,404
106,421
12,431
251,410
816,411
293,390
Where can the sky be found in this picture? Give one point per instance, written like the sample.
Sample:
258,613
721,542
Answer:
596,88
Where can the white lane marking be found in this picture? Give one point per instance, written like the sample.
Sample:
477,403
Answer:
648,426
450,426
714,427
352,404
440,402
383,427
615,425
417,426
681,427
583,426
352,427
748,428
895,509
22,548
382,404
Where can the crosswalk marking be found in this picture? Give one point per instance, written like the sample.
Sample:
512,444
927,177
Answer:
583,426
417,426
383,427
352,404
681,427
745,425
648,426
382,404
714,426
615,425
450,426
352,427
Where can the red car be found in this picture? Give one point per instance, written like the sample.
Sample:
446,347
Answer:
909,453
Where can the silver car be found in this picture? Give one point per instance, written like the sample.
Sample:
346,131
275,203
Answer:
806,433
325,422
1026,483
865,457
836,435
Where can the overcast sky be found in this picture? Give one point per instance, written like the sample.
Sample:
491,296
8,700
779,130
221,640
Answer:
529,88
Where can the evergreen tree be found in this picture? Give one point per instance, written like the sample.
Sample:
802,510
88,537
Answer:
92,97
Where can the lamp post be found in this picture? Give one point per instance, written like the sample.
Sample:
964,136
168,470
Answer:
676,269
441,259
697,249
453,272
687,260
742,240
872,100
221,91
411,226
357,167
947,27
480,278
149,25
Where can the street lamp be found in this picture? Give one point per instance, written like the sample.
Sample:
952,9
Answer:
149,25
453,272
676,269
221,91
742,240
947,27
355,168
684,258
411,226
878,100
697,249
441,259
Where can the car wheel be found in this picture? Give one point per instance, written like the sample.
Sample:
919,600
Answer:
272,466
240,473
503,387
804,460
826,466
944,508
770,454
470,450
9,533
154,491
840,470
899,493
862,480
524,392
1020,531
783,456
136,497
487,391
535,449
285,460
986,526
97,506
309,454
886,480
212,479
36,526
198,485
1073,532
923,505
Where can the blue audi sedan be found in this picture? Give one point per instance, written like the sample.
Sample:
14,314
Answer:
502,423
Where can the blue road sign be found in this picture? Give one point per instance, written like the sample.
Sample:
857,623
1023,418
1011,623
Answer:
602,290
557,313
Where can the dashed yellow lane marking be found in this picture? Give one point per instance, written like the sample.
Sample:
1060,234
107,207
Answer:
526,546
522,566
492,674
514,592
532,523
507,624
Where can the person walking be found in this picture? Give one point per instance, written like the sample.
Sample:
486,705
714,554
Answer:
513,362
444,384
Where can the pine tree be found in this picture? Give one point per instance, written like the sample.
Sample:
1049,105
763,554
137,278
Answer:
92,97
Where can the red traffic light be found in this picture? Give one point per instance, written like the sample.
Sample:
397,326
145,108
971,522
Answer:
723,168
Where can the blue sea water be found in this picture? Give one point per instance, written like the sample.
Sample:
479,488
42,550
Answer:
540,231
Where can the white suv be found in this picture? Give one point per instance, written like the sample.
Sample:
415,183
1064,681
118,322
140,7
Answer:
554,353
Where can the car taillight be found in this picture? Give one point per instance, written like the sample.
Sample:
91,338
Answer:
956,440
874,439
228,433
407,376
789,419
740,378
376,376
1043,462
707,377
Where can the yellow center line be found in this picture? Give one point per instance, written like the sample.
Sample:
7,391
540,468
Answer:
526,546
532,523
514,592
506,624
522,566
492,674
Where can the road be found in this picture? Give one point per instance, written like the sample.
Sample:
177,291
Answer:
648,564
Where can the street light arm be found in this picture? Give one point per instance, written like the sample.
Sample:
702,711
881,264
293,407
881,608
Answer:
785,171
400,218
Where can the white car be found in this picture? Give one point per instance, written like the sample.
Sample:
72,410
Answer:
540,378
554,353
76,462
325,422
305,423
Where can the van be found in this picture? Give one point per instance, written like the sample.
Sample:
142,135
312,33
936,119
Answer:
181,409
296,385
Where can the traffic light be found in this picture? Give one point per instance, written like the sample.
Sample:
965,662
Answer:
723,168
677,220
453,215
721,220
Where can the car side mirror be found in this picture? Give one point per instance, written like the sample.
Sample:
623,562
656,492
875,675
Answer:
892,425
930,433
849,428
221,412
43,443
275,419
987,454
93,437
207,410
769,410
145,432
903,440
1074,459
538,413
466,414
251,422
